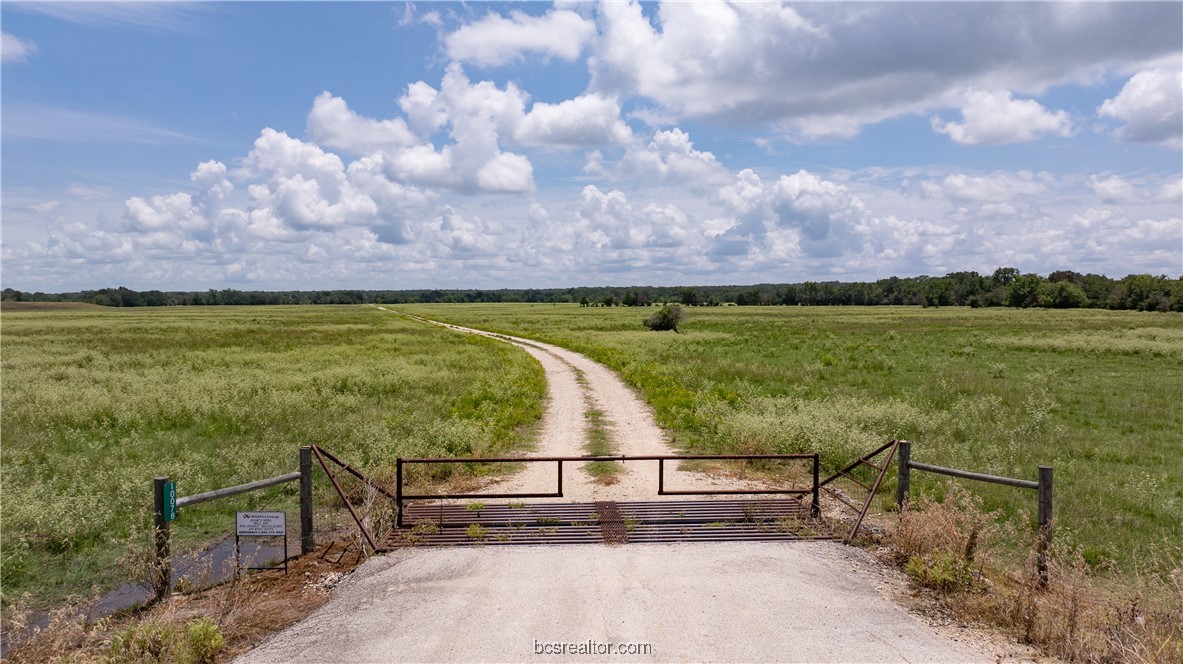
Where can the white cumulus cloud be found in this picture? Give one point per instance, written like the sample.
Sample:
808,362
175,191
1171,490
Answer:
826,70
332,124
477,116
420,103
496,40
159,212
995,118
801,213
455,235
671,157
991,188
1112,189
277,156
506,172
1171,190
707,58
1151,107
614,234
585,120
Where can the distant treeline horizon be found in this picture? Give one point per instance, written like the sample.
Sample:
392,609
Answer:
1005,287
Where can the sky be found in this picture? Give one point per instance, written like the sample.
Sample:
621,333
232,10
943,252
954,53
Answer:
373,145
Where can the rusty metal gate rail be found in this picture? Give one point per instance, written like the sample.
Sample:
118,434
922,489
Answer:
401,496
852,485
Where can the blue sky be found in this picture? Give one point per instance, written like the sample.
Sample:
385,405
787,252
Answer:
392,145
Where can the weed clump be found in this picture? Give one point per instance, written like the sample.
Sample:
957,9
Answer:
203,642
666,318
938,542
197,642
599,443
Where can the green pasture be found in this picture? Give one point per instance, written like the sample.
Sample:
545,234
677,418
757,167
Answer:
1095,394
97,402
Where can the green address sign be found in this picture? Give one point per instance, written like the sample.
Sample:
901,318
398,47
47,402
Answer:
170,501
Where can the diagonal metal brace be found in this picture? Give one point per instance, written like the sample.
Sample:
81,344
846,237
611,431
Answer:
891,448
320,457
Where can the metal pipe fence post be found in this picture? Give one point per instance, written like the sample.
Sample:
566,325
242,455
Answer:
163,572
307,541
903,487
398,492
815,509
1045,522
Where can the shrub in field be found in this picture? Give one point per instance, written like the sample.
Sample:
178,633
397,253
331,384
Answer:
666,318
203,642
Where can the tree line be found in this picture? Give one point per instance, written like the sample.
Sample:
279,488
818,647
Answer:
1006,287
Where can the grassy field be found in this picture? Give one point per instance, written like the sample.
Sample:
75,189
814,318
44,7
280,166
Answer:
1096,394
96,402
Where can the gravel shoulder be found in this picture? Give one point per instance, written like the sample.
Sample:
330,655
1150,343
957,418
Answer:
715,602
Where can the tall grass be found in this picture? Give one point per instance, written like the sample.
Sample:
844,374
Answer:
97,403
946,544
1095,394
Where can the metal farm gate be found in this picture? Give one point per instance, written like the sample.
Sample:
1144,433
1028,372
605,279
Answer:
791,512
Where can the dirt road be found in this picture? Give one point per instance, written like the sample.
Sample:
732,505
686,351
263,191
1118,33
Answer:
575,384
721,602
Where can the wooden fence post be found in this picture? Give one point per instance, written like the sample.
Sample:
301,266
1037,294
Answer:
1045,522
307,542
163,572
903,488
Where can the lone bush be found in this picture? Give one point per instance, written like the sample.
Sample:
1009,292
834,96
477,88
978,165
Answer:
203,641
666,318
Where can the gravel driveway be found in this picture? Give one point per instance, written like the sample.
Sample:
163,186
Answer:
717,602
712,602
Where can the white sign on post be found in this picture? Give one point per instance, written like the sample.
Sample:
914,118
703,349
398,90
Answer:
262,524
